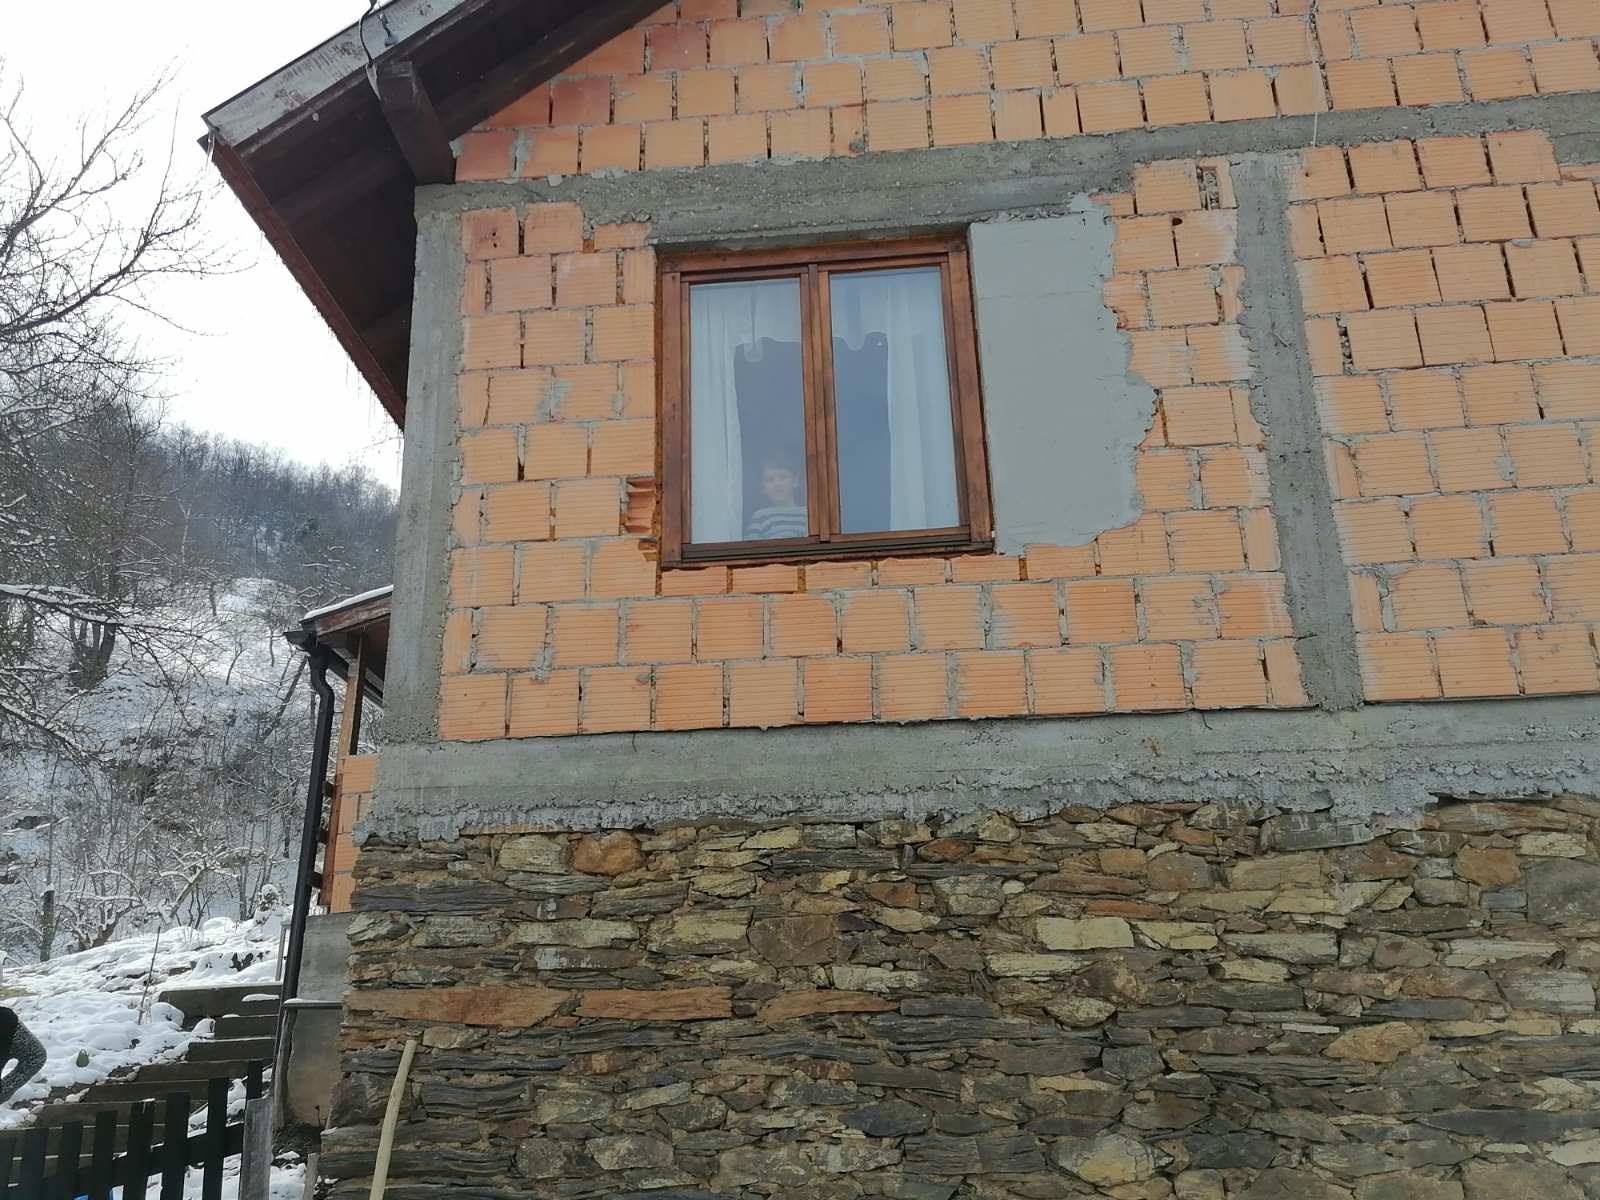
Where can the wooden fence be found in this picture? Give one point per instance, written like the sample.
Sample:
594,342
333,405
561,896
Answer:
80,1159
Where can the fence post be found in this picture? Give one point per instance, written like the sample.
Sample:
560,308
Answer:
175,1146
104,1155
141,1128
215,1138
255,1160
69,1157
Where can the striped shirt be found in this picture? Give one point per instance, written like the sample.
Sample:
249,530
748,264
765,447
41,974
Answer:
785,521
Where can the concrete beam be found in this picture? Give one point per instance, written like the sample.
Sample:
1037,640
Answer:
422,548
1380,759
874,194
1283,397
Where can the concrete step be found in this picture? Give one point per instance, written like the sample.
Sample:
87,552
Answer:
243,1027
199,1002
236,1051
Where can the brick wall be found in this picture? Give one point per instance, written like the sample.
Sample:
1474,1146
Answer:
1451,291
710,81
560,621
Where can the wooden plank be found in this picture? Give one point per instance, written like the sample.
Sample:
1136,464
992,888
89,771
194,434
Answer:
175,1147
215,1141
255,1162
414,123
104,1154
33,1147
68,1160
136,1163
8,1153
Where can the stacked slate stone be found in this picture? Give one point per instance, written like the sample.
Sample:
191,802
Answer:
1194,1002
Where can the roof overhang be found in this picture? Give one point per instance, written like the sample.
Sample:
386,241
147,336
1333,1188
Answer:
328,169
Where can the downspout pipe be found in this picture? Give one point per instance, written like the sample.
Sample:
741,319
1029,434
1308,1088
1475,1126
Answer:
319,657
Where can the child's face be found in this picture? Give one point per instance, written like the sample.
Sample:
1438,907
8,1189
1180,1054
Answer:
779,485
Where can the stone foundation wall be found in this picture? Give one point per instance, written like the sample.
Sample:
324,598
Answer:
1151,1002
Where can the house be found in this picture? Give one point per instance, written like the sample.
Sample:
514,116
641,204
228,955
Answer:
995,598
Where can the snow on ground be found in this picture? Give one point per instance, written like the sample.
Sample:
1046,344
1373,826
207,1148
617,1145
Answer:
96,1012
287,1182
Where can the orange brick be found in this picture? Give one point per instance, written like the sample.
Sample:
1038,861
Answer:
774,577
491,341
1215,45
897,125
984,568
797,38
1493,214
919,24
803,625
556,452
679,47
962,120
1147,678
1198,416
1497,74
1109,14
1060,108
1150,50
641,98
1018,116
738,43
1470,272
875,621
1024,614
489,456
1136,549
1511,21
551,338
1428,79
1583,518
765,89
1023,65
1564,209
688,697
1470,459
1424,400
1166,480
1218,353
1352,404
1522,156
990,684
1319,174
1422,219
1384,339
1366,603
489,233
730,628
837,689
1253,606
519,512
1037,18
737,139
831,576
862,32
1176,99
1205,541
1453,161
1101,610
584,635
1448,527
1505,591
1403,278
1528,523
913,687
615,699
1393,464
1229,675
1450,24
1059,562
1361,83
1380,31
1340,464
1178,608
1183,297
983,21
588,508
1523,330
895,572
708,581
1558,659
1575,18
551,571
1373,532
510,637
1397,666
472,707
481,576
1105,107
1385,167
1544,268
958,70
543,706
1283,675
1453,335
1242,95
1566,67
1568,389
948,618
1354,224
485,155
763,694
831,83
1428,596
1546,455
658,632
1475,662
1067,681
620,568
1580,324
1280,40
456,656
1233,477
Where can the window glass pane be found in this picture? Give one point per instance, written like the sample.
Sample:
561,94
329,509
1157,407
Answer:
891,375
747,433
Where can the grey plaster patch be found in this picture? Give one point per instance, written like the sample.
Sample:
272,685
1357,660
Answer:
885,194
1283,398
1383,759
422,552
1063,413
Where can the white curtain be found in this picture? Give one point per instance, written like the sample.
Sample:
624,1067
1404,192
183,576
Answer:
727,320
906,306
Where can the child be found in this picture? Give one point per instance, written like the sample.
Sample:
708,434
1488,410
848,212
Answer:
785,516
17,1043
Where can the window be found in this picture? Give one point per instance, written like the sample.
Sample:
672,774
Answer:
821,403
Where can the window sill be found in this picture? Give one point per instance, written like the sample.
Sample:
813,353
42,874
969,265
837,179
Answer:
745,555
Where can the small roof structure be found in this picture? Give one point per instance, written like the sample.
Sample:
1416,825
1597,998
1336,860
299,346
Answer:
326,152
340,626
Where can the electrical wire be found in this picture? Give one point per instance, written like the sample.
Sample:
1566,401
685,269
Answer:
361,32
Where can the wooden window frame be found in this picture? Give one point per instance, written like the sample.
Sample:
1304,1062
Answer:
813,266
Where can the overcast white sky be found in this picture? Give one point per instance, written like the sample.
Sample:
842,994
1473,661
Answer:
260,364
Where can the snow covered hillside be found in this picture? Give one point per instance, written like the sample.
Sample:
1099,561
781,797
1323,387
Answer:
97,1013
